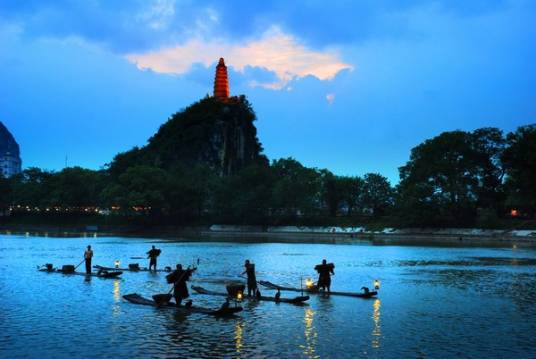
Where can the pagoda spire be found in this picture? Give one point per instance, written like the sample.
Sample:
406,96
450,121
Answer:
221,81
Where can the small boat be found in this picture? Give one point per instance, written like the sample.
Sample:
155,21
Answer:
315,290
139,269
295,300
105,274
221,312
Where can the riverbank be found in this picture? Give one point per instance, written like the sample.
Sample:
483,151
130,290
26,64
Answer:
297,234
387,236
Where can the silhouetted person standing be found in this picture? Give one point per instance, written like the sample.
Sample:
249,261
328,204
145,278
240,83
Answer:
152,255
179,277
88,254
252,279
325,271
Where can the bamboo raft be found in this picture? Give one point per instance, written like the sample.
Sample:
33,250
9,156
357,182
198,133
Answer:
135,298
315,290
295,300
105,275
140,269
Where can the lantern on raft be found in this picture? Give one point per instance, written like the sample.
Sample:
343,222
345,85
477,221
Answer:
117,264
376,284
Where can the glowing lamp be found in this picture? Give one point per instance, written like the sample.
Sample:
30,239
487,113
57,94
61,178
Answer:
117,264
309,283
239,296
376,284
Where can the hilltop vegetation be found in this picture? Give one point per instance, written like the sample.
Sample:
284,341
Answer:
219,135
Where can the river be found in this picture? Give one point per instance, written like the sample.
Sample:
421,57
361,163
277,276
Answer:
433,301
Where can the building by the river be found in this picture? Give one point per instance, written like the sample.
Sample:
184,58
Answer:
10,162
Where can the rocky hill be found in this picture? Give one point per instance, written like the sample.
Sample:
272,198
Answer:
211,132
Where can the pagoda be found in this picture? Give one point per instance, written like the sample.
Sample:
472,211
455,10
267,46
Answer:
221,81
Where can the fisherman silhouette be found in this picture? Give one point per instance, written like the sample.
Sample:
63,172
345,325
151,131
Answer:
325,271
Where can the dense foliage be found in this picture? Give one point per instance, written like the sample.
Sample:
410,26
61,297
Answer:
283,192
456,178
461,177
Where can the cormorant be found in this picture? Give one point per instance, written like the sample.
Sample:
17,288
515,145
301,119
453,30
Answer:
225,305
277,295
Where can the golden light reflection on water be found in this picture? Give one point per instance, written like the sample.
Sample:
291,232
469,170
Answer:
310,335
117,290
376,331
116,308
239,329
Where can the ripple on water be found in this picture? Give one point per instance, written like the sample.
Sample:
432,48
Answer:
430,298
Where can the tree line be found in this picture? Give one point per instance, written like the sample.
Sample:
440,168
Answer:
455,178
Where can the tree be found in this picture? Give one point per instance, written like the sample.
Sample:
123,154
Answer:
246,197
139,186
31,187
190,191
489,145
123,161
449,177
442,173
377,193
5,193
352,192
296,189
520,164
331,192
340,192
74,187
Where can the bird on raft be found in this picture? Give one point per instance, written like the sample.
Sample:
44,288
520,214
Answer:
277,295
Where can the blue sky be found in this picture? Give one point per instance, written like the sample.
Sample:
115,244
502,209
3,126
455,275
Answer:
348,86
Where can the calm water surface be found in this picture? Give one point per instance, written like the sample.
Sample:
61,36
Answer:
434,302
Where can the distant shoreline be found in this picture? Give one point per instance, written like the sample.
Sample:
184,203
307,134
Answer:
292,234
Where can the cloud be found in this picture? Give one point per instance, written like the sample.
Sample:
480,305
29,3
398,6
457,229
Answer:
158,15
275,51
137,26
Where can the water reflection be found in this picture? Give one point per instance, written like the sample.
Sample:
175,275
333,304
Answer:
239,329
469,297
311,335
117,291
116,308
376,331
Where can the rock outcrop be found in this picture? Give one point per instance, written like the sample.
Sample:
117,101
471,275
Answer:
220,135
210,132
